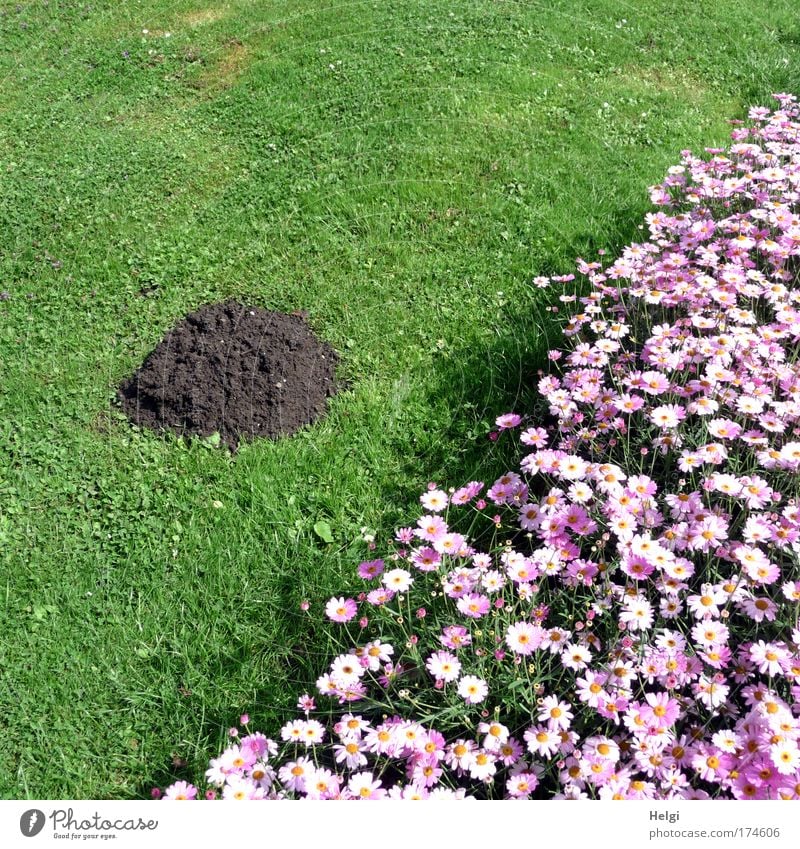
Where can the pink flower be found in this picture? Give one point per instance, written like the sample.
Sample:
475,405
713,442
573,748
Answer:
508,420
181,790
341,609
293,774
474,605
443,666
524,638
455,637
364,786
431,528
370,569
661,709
521,785
306,703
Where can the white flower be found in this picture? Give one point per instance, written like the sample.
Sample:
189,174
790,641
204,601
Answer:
472,689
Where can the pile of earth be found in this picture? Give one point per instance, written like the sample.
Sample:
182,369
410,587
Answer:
238,371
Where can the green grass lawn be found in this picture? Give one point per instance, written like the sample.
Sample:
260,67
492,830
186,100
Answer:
400,170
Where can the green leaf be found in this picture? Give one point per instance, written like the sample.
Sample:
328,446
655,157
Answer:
323,531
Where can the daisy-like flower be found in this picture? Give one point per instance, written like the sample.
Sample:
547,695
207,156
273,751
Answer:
711,764
508,420
459,755
710,632
313,732
380,596
708,533
455,637
450,544
661,709
707,602
472,689
306,703
755,491
364,787
653,383
602,748
180,790
346,669
510,753
580,492
726,740
575,656
341,609
521,785
293,731
786,756
590,689
426,559
382,740
493,581
350,754
351,726
322,784
426,771
767,657
397,580
482,765
710,692
434,500
557,714
555,639
474,605
370,569
542,741
293,774
263,775
237,758
431,528
443,666
637,614
241,789
524,638
257,747
375,653
573,468
496,734
667,416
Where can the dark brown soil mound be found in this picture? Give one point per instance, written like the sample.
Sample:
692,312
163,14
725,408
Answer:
238,371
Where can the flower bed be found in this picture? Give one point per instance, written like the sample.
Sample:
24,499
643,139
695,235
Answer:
619,617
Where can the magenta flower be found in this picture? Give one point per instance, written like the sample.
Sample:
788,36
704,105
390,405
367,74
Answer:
508,420
341,609
474,605
181,790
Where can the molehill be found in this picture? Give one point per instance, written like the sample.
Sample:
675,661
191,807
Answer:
238,371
